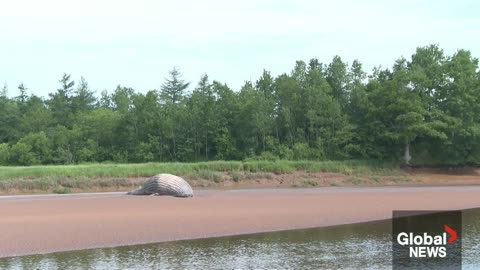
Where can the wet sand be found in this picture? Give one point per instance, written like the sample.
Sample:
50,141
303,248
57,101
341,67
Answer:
50,223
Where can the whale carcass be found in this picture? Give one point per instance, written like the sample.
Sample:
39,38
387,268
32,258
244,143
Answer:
165,184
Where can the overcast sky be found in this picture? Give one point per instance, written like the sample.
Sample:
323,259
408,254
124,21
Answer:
135,43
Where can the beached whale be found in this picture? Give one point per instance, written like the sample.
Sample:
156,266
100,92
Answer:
165,184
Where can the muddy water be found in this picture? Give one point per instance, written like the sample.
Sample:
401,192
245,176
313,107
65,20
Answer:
357,246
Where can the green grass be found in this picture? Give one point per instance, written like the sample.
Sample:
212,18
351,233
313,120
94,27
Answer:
46,184
90,176
199,169
240,175
214,176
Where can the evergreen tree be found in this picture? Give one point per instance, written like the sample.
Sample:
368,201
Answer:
173,89
83,99
4,90
22,98
60,103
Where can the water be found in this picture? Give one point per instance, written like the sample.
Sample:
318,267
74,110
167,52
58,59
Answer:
358,246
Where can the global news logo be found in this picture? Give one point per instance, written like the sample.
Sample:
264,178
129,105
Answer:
426,245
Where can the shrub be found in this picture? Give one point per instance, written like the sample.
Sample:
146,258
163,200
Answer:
310,183
61,190
237,176
21,154
354,180
267,156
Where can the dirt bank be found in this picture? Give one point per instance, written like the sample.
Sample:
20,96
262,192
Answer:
42,224
227,180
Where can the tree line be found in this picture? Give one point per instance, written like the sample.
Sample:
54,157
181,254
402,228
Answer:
422,110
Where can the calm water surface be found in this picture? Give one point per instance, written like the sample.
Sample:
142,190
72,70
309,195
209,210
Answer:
358,246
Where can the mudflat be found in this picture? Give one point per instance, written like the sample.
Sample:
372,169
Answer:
51,223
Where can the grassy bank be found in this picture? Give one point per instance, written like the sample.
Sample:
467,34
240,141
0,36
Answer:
149,169
63,179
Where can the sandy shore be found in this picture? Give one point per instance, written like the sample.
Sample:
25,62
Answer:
43,224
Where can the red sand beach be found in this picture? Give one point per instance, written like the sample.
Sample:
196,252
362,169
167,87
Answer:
50,223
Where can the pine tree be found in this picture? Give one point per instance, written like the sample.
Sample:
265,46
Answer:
173,90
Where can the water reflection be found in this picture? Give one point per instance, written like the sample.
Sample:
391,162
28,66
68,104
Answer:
359,246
